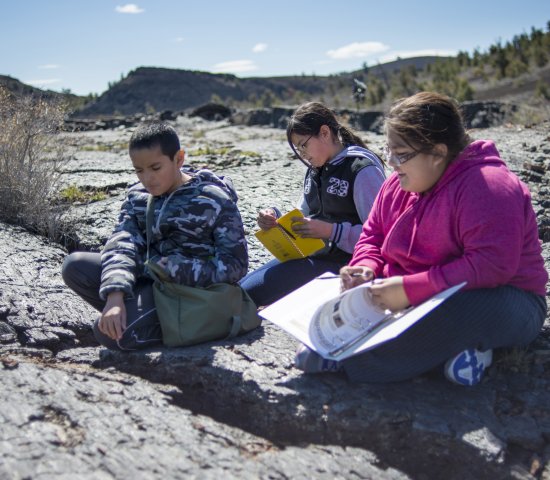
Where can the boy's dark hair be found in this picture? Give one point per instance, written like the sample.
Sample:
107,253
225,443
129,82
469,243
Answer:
149,135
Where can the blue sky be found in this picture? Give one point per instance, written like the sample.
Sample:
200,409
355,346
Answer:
82,45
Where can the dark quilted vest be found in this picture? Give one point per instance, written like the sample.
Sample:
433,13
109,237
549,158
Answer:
329,193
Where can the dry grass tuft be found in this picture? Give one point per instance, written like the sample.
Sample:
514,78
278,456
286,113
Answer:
518,360
31,157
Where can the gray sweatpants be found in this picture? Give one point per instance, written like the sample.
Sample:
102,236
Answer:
82,273
482,319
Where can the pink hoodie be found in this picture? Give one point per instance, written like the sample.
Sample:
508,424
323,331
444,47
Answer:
476,224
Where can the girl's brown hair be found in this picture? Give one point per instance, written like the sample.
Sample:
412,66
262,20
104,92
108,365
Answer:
308,119
426,119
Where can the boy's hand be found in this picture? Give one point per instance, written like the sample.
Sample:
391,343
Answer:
311,228
163,262
113,318
353,276
267,218
388,293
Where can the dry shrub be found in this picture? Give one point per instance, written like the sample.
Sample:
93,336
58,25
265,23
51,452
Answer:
530,115
31,157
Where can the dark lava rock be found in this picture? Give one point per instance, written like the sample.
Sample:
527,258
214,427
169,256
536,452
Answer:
238,408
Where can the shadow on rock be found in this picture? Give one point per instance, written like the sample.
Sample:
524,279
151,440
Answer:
422,427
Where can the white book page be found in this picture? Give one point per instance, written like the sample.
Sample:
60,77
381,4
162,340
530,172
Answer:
342,319
310,315
293,312
398,324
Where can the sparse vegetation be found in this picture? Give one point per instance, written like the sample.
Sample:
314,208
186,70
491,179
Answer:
518,360
206,150
248,153
455,76
75,194
30,160
196,134
105,147
527,115
541,90
524,53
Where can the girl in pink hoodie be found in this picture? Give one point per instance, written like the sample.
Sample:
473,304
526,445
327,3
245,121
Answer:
452,212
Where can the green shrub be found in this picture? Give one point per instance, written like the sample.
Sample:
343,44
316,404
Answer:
75,194
541,90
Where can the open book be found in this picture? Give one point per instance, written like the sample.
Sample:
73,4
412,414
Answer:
338,325
284,244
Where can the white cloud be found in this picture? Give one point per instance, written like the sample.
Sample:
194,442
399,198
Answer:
235,66
259,47
178,39
48,66
357,50
129,8
45,81
417,53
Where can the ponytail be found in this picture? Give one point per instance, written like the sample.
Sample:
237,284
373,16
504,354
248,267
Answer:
348,137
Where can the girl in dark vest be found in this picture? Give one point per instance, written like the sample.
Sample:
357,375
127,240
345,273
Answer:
342,179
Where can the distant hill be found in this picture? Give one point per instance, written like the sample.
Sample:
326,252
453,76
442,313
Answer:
19,88
16,86
149,89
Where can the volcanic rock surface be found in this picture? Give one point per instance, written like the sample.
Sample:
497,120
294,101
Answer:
239,409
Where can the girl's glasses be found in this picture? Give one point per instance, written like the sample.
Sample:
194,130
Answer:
398,159
303,147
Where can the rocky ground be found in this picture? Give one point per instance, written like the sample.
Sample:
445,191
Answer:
239,409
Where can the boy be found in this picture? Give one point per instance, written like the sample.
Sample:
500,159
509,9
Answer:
198,239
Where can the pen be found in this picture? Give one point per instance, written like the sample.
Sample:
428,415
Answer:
326,277
362,336
371,331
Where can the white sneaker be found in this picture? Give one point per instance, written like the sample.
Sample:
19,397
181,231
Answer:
468,366
311,362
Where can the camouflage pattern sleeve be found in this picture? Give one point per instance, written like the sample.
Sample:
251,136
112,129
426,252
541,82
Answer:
228,258
120,259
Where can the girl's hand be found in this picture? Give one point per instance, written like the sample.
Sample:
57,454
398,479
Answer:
388,293
353,276
113,318
311,228
267,218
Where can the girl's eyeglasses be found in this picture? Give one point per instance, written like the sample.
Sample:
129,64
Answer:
303,147
398,159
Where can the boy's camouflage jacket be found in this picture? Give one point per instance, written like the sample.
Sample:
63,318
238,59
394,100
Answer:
198,230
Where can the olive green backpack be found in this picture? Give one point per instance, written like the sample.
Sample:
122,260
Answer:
191,315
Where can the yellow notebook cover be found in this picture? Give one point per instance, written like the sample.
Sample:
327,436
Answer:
284,244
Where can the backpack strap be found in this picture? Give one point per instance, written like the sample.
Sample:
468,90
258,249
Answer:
236,320
149,219
235,326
